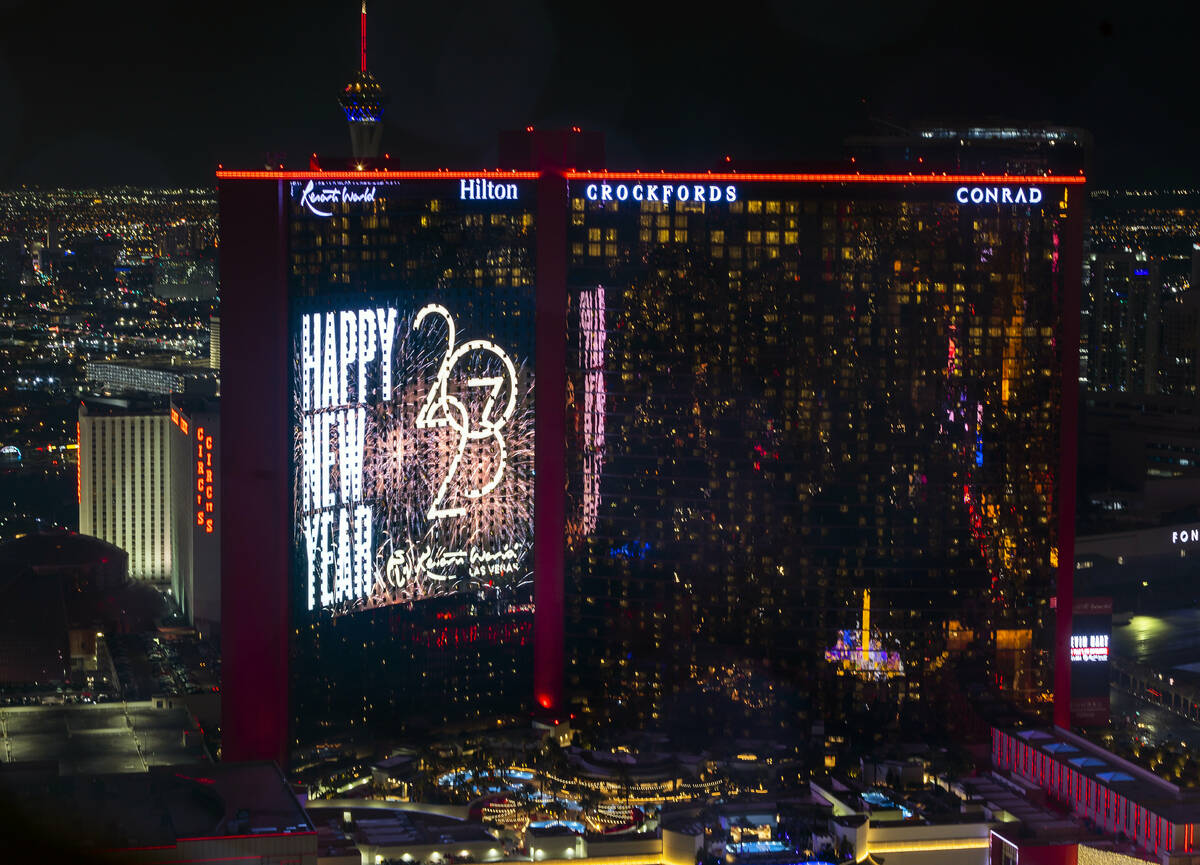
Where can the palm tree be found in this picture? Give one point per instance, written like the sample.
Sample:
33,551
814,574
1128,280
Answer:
624,780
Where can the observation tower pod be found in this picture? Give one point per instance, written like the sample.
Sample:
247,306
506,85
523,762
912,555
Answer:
363,100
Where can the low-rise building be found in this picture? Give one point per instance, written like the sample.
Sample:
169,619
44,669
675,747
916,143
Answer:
1119,799
171,814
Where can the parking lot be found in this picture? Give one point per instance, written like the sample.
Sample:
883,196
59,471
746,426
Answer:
148,665
98,738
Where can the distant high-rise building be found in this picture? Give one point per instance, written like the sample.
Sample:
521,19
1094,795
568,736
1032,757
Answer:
1123,311
1179,344
363,100
10,261
983,148
214,342
184,278
151,377
125,483
1139,459
86,264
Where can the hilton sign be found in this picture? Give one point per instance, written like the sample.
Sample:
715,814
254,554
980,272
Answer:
479,189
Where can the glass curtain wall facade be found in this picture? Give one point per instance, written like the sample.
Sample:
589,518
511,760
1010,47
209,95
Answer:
816,447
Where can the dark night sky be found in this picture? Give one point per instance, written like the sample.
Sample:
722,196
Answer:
131,91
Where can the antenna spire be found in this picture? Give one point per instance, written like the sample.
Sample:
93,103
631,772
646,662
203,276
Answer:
363,100
362,39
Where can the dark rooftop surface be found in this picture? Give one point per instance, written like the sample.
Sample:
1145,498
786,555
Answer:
1139,785
382,826
166,805
103,738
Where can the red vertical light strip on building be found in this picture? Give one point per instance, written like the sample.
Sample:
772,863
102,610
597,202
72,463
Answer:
78,465
550,437
1070,278
362,38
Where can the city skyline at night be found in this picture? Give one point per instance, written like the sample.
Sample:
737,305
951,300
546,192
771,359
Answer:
475,434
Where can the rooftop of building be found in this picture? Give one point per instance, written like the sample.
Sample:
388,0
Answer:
1106,769
388,826
96,739
161,807
58,549
111,406
159,363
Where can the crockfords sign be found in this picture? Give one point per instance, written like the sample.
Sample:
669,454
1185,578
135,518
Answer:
705,193
998,195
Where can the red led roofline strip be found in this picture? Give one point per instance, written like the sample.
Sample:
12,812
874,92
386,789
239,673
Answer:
648,176
733,177
369,175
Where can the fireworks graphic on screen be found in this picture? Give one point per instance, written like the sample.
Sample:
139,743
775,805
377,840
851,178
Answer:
446,464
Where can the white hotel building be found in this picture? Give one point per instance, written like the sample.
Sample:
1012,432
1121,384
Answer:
125,484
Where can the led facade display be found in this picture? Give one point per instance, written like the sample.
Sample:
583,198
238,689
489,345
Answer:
1091,632
413,450
412,396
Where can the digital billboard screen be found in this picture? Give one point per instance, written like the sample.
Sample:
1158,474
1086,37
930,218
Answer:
1091,633
413,444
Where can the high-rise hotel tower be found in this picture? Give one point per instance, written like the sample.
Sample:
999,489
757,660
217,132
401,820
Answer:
499,440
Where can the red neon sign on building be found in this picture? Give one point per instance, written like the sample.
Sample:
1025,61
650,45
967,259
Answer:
204,481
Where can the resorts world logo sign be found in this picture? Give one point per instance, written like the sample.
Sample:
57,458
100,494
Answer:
318,198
